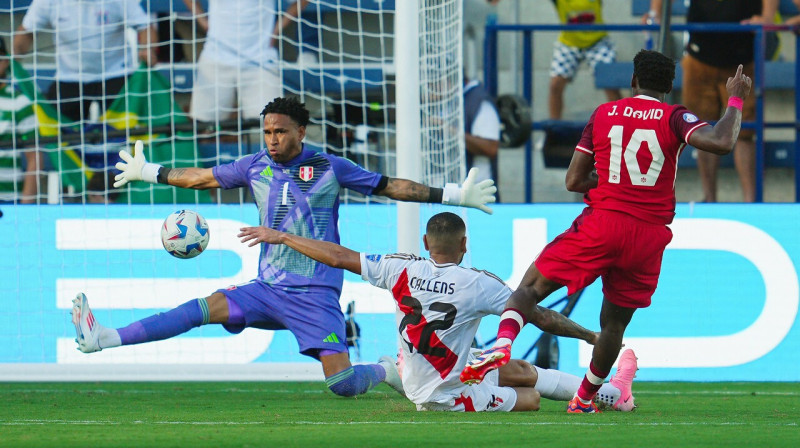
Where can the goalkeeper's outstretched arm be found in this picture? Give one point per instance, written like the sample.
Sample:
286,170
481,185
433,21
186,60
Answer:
469,194
326,252
136,167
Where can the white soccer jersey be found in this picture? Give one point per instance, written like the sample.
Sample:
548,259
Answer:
439,308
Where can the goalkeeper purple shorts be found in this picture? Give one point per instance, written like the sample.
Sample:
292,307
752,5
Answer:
315,319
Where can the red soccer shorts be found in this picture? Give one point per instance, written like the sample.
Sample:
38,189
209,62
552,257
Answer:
624,251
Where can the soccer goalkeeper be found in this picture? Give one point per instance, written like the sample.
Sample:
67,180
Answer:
296,190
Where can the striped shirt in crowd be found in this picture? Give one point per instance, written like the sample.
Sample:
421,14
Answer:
17,120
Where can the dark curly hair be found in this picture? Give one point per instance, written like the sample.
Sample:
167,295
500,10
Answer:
291,107
654,71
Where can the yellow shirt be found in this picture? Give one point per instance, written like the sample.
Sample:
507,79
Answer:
588,12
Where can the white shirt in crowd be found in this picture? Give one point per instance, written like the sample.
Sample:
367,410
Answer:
240,33
90,36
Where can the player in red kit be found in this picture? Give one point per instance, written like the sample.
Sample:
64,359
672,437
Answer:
625,164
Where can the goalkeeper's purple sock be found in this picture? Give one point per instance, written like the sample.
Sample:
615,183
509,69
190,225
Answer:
166,325
356,380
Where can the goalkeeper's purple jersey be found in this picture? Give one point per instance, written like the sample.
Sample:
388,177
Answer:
300,197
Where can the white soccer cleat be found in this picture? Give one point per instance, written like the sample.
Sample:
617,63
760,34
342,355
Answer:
392,375
87,330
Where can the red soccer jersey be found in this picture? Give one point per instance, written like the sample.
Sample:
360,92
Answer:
636,143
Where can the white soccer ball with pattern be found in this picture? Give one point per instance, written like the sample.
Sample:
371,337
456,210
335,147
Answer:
185,234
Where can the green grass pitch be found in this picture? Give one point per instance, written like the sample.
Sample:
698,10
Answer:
273,414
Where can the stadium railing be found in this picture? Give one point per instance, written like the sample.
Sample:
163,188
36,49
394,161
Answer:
783,75
314,79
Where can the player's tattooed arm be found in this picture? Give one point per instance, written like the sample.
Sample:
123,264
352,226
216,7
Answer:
558,324
195,178
410,191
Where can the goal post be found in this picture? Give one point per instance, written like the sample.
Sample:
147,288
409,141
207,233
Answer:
428,48
409,165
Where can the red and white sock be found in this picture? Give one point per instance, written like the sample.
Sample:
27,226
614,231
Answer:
511,323
591,383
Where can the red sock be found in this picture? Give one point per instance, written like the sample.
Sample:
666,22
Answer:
591,383
511,322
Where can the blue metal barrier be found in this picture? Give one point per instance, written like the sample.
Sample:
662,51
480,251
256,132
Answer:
491,81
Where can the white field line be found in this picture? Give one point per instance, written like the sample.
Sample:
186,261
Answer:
323,390
719,392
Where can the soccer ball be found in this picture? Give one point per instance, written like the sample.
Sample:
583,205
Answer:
184,234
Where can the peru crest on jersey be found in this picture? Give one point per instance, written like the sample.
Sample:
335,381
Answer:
306,173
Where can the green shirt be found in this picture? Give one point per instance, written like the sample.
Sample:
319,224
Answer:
17,119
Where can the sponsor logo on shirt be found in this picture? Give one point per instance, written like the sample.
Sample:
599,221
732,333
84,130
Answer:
306,173
689,117
373,258
267,172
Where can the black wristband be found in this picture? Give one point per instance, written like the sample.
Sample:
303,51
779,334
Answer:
435,195
163,172
382,183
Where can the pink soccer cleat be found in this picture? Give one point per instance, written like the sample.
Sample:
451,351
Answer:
626,371
487,361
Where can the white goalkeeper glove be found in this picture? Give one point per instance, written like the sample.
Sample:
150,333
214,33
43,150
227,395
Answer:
470,194
136,168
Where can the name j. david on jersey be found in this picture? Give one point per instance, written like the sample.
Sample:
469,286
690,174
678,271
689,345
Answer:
628,111
424,284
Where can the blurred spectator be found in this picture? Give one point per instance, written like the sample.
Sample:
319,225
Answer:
475,15
17,122
794,20
93,60
708,62
574,47
236,72
308,29
180,37
481,131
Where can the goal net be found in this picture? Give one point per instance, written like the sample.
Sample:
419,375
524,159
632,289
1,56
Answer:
383,81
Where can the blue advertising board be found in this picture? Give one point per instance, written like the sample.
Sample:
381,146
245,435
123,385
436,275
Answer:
726,308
